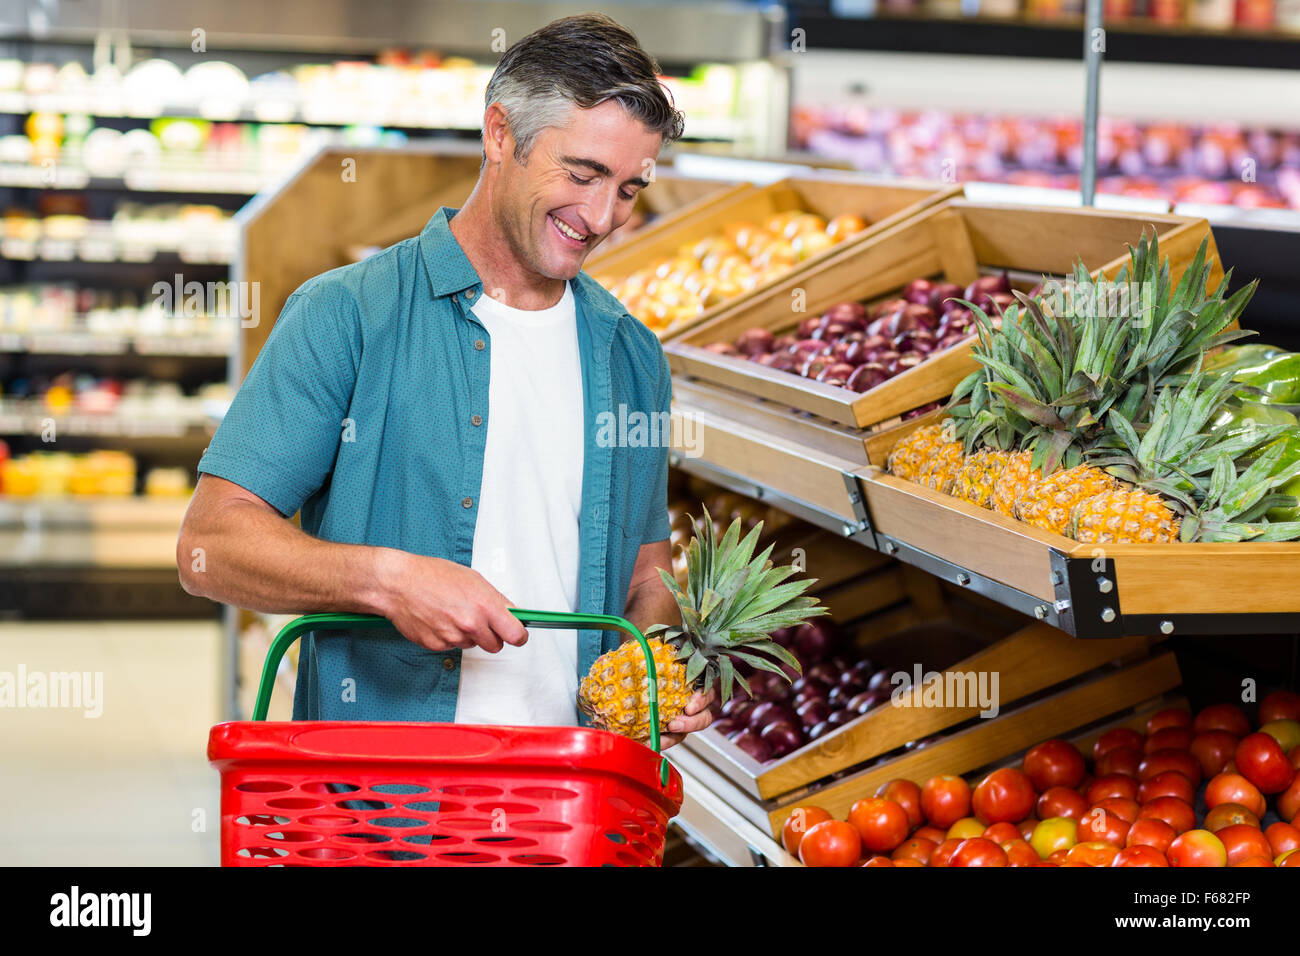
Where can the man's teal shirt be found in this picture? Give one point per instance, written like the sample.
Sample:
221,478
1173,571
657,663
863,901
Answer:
367,408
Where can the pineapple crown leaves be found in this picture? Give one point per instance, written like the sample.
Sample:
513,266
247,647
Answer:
732,602
1235,505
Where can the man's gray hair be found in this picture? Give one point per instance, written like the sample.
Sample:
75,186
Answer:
583,61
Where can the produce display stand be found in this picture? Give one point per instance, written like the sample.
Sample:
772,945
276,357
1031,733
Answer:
956,241
882,203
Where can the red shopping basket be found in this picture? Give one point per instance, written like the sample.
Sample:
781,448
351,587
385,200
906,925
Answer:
343,793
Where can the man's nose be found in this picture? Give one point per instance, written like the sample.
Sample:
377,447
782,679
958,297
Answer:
600,213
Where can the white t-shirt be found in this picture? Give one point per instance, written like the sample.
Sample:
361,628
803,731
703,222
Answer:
526,534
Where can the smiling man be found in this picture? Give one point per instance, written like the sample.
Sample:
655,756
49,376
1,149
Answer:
433,413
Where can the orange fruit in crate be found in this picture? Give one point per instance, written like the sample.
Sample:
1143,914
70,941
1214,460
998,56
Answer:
844,225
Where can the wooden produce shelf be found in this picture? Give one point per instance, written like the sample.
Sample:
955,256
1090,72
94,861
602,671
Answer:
883,203
956,241
1087,590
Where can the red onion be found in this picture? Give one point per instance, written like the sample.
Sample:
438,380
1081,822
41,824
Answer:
941,292
1002,301
918,412
904,362
752,744
851,313
783,636
841,717
880,327
840,350
805,348
880,679
809,683
721,348
766,359
768,712
837,370
739,709
924,316
806,326
724,726
815,640
813,712
924,341
888,307
833,381
862,702
831,330
782,343
820,730
755,341
814,366
861,351
825,672
948,341
783,362
918,290
860,672
781,738
868,376
841,694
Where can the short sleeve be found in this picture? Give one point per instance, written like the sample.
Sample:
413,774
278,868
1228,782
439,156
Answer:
281,435
656,524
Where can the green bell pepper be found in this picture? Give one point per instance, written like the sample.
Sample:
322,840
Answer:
1292,487
1278,378
1235,413
1242,356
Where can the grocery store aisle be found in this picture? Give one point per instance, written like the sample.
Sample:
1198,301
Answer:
122,788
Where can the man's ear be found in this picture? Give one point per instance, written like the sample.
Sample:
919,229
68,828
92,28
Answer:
498,142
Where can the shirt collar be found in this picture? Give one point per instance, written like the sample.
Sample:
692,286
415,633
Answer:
450,272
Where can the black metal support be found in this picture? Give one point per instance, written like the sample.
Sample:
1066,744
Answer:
1087,595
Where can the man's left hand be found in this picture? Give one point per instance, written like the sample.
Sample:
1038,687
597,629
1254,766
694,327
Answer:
696,717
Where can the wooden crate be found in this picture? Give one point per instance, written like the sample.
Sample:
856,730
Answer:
883,602
1146,585
882,203
956,241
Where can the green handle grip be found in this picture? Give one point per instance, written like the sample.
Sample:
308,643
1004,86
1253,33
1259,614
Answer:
561,620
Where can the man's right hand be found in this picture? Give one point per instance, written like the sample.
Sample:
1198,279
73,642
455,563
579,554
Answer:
442,605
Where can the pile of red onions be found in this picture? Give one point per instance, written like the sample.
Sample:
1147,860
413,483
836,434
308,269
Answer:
782,717
851,347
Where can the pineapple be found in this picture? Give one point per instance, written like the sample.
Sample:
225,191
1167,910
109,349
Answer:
912,456
1049,503
977,476
1129,516
1014,481
731,602
940,471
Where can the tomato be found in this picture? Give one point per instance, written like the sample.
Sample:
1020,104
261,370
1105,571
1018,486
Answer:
1227,717
1171,738
1117,737
1057,857
1229,814
799,822
1100,826
1234,788
978,851
1197,848
1285,732
1254,861
1112,785
1026,827
1126,810
1169,717
1152,832
1054,763
1261,760
932,833
831,843
907,795
965,828
1020,853
879,861
1140,855
1053,834
1171,783
1288,803
1282,837
1061,802
1119,760
908,861
1160,761
1289,859
1294,757
945,800
943,852
917,848
1213,749
1279,705
1243,841
882,823
1092,854
1177,813
1005,794
1002,833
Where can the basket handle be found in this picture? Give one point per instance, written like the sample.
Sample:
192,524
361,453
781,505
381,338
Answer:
560,620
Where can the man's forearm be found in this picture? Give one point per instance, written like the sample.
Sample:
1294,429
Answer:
241,554
651,603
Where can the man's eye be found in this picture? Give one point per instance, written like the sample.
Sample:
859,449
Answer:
627,196
579,180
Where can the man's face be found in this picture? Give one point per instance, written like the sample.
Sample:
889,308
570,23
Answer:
577,186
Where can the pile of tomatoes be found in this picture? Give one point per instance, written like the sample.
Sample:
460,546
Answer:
1192,791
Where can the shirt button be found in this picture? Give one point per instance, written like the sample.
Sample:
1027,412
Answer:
467,502
476,420
479,345
448,664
